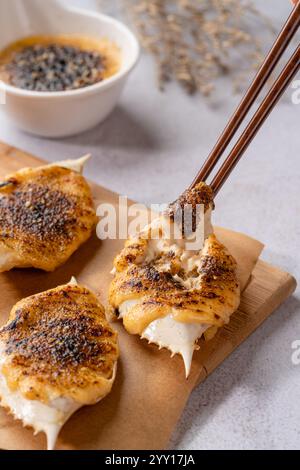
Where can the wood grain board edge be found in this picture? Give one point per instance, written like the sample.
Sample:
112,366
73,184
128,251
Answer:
268,289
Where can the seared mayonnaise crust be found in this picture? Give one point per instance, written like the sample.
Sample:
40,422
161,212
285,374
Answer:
58,353
158,279
46,213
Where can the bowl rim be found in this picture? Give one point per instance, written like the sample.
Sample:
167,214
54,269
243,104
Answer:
91,89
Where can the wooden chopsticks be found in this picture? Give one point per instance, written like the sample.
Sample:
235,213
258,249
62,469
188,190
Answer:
280,85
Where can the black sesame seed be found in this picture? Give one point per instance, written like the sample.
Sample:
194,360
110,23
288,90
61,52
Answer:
55,68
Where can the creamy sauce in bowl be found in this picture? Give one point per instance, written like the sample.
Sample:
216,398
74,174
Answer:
58,63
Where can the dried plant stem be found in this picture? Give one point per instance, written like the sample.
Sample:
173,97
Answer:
196,41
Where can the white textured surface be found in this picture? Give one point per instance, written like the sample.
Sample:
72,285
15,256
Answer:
150,149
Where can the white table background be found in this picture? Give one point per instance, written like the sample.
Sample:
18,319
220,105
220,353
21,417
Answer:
150,149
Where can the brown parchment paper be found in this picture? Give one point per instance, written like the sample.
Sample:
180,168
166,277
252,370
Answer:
150,391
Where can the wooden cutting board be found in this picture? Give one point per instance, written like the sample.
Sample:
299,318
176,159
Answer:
150,390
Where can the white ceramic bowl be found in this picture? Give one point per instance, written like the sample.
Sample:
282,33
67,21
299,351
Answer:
60,114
